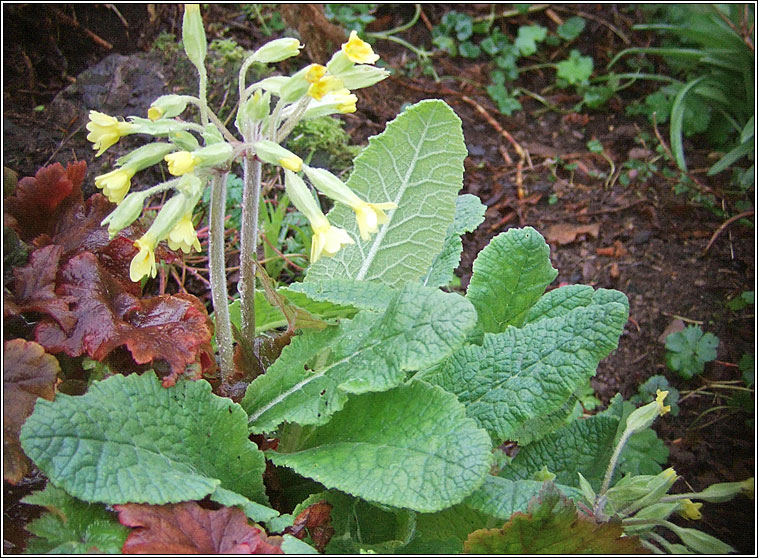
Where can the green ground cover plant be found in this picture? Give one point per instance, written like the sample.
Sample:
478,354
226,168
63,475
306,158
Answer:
385,412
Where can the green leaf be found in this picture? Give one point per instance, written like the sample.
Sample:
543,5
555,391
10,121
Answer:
310,381
410,447
524,373
553,526
467,49
528,37
255,511
689,350
677,119
501,498
561,301
582,446
293,545
364,295
575,69
417,162
469,214
128,439
445,531
510,275
571,28
71,526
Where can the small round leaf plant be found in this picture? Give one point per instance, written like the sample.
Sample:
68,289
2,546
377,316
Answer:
202,154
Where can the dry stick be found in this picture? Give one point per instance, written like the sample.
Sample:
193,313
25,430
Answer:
72,22
281,254
724,225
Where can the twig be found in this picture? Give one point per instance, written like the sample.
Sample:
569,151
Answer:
495,124
281,255
725,224
72,22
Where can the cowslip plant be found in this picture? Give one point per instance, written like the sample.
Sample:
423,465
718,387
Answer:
381,420
313,91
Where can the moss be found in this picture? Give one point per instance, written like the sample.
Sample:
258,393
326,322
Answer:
323,142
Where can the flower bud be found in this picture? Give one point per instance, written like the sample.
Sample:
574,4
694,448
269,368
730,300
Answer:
146,156
295,87
271,84
184,140
543,475
357,77
215,154
169,215
273,153
339,63
125,214
700,542
254,110
181,162
191,186
167,106
211,134
725,491
340,101
193,36
689,509
587,491
644,416
639,487
277,50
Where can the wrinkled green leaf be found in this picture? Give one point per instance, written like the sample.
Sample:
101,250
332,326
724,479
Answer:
364,295
409,447
417,162
130,440
469,214
71,526
561,301
373,352
445,531
582,446
510,275
501,498
524,373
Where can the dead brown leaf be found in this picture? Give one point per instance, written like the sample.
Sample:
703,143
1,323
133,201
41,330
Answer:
566,233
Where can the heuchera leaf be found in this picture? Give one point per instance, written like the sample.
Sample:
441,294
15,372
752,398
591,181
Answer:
34,288
372,352
469,214
510,275
528,372
71,526
28,373
417,162
129,440
342,524
174,328
38,201
553,526
409,447
187,528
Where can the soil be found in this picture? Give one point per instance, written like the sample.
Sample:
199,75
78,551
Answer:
641,239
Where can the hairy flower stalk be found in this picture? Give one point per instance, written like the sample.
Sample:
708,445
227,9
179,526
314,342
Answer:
217,269
249,243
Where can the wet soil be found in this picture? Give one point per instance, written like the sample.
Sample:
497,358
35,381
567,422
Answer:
641,239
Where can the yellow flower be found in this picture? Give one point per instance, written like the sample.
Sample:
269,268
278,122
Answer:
154,113
370,215
293,163
325,85
105,131
183,235
181,162
344,100
659,397
327,239
314,73
690,510
359,51
143,264
115,184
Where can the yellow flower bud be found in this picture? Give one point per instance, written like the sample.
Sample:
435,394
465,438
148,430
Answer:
325,85
274,154
105,131
314,73
115,184
293,163
359,51
143,264
154,113
125,214
181,162
167,106
689,509
659,397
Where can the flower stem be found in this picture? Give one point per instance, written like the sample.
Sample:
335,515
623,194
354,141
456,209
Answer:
249,243
217,270
614,460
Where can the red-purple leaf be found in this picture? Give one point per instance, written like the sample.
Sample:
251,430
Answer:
174,328
317,519
34,288
28,373
187,528
38,201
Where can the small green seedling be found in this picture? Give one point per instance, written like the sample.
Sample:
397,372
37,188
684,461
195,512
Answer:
689,350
